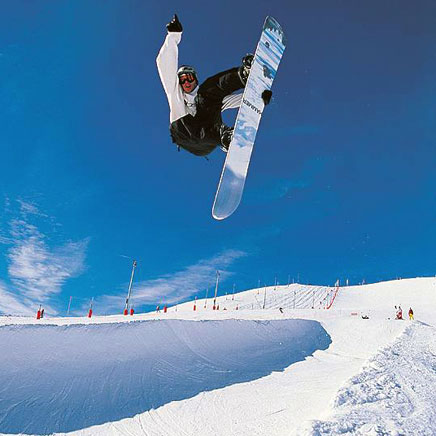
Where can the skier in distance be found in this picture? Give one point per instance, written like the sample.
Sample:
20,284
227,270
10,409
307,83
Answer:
195,109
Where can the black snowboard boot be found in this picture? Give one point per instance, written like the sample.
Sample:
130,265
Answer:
226,134
244,69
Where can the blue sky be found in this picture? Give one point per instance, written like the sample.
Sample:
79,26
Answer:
342,179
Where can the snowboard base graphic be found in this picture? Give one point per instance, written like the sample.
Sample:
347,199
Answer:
268,54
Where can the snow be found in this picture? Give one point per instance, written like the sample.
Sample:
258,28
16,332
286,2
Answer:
393,394
237,371
62,384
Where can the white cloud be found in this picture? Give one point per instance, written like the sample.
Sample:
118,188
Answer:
39,272
10,304
173,288
30,208
37,269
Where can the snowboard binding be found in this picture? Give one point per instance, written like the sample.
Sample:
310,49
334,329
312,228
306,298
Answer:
244,69
226,134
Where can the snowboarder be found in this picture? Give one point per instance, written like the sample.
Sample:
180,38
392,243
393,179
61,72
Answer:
195,110
411,314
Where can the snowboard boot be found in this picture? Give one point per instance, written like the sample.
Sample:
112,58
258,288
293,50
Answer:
244,69
226,134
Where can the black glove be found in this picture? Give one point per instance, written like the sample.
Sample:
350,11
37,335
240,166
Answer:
266,96
175,25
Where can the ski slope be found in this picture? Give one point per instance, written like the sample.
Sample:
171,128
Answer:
291,368
293,296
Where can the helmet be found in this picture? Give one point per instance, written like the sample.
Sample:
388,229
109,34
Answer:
187,69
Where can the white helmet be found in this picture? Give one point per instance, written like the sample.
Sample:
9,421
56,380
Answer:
187,69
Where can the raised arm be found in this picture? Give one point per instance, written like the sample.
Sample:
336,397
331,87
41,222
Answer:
168,58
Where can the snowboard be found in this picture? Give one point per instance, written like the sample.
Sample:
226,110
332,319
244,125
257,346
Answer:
266,60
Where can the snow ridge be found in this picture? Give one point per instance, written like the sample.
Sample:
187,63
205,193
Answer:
65,378
394,393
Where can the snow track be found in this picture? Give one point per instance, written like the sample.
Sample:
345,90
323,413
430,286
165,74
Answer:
293,296
394,393
65,378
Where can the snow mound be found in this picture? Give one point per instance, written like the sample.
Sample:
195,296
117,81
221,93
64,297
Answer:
66,378
393,394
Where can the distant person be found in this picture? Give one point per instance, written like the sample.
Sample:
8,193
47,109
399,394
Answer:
411,314
281,309
42,313
157,309
399,314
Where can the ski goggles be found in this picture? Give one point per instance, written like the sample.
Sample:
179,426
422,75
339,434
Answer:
187,77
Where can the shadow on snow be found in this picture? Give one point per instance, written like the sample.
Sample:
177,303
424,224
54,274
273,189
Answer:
65,378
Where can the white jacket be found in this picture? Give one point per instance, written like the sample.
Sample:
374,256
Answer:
181,104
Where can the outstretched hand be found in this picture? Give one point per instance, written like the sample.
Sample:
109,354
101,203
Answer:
175,25
266,96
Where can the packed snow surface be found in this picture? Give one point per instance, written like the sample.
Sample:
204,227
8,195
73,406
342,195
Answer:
68,383
284,360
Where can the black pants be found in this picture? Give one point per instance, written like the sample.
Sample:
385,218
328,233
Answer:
200,135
